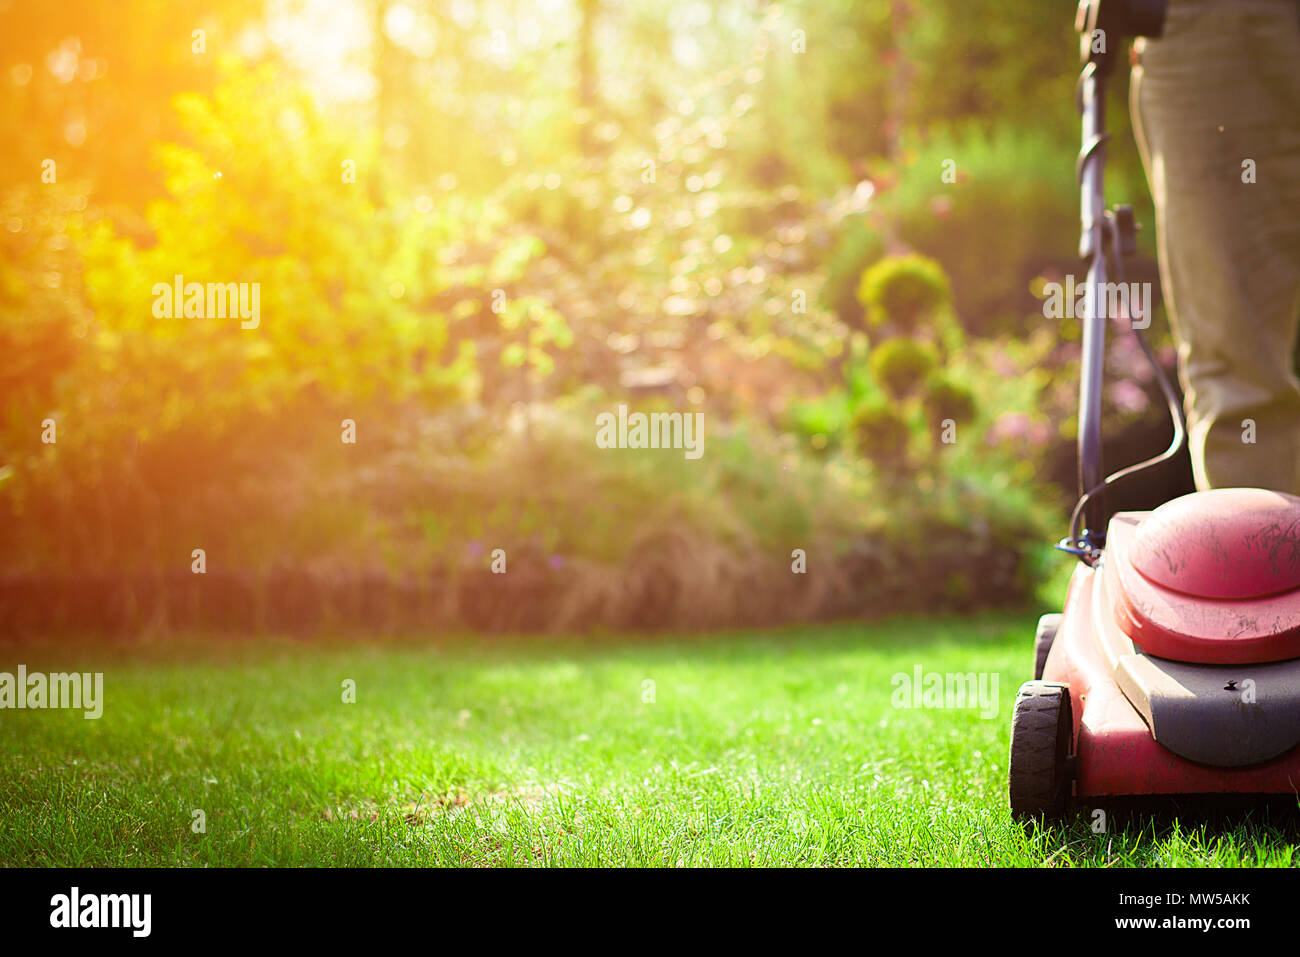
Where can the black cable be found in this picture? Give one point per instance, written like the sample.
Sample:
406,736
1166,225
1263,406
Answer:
1081,547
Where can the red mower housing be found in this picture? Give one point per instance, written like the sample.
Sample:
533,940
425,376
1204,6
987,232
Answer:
1176,661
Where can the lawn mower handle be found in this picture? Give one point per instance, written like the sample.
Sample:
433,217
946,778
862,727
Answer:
1102,25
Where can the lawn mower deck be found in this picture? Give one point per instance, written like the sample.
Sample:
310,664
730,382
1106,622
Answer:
1175,666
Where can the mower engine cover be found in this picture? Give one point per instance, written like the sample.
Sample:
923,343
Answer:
1212,577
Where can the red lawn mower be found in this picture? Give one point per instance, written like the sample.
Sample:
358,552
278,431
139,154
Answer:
1175,667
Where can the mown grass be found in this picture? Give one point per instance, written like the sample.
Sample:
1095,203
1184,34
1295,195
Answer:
775,748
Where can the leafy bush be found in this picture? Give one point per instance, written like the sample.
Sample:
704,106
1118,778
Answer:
882,435
947,400
466,302
900,366
903,292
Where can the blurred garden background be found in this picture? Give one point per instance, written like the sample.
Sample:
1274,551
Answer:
476,225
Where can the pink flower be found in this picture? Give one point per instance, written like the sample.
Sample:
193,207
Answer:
1128,396
1009,425
1017,427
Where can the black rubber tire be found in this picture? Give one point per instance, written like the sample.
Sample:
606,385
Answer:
1041,728
1043,638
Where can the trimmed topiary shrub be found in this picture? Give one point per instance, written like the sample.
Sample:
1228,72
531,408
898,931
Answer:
900,366
904,292
882,435
947,400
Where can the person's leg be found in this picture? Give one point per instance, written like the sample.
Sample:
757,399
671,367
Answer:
1220,88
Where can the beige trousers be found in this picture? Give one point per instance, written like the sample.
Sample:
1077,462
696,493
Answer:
1216,110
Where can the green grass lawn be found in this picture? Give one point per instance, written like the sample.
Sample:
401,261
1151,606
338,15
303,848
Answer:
771,748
